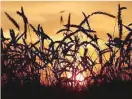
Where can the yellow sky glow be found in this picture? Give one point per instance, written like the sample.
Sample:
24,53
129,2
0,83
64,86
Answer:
48,15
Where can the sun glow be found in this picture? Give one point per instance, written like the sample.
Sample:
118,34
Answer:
79,77
77,82
69,74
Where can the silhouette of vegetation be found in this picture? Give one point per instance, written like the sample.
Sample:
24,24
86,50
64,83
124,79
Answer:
22,61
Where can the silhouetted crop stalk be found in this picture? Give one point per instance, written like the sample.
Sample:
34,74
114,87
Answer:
23,62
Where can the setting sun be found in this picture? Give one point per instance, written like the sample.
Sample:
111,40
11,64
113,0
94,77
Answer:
56,50
79,77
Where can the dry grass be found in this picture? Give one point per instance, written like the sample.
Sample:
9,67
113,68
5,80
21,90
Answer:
22,62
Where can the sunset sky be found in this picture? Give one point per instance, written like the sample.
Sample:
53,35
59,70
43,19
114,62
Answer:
48,15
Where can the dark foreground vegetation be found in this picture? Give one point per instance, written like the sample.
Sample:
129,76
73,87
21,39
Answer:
113,90
22,60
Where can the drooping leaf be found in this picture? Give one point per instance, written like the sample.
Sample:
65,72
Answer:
109,35
128,28
13,21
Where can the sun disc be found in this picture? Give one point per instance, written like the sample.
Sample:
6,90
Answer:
79,77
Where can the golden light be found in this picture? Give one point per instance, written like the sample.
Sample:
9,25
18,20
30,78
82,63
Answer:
79,81
69,74
79,77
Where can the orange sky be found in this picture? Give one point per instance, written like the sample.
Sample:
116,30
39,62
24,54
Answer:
48,15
